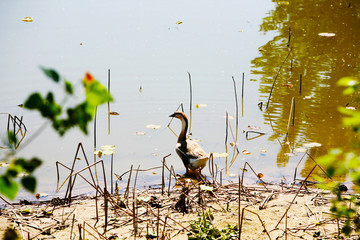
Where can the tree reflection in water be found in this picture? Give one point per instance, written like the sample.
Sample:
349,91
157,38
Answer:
321,60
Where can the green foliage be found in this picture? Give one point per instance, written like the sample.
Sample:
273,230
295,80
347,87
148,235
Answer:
202,228
20,166
77,116
51,73
10,234
346,164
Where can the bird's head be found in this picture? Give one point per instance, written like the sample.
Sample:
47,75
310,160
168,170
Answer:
179,115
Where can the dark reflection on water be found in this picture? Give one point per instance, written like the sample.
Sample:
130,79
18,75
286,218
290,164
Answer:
321,61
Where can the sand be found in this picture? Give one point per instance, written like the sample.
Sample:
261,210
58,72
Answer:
268,212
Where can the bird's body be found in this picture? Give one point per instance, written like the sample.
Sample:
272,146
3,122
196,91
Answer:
192,155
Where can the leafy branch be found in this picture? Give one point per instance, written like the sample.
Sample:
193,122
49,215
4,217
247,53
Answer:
61,118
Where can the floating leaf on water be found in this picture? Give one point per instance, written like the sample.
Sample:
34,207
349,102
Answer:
200,105
114,113
41,195
20,105
283,3
246,152
153,126
27,19
154,173
108,152
325,34
140,133
79,158
220,155
290,154
240,31
312,144
179,22
254,127
263,150
81,44
108,147
288,85
260,175
206,188
300,150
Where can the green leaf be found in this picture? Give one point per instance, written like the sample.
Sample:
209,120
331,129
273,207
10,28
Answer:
69,87
8,188
10,234
29,183
34,101
33,164
51,73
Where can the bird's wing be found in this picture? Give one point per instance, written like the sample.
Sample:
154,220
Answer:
195,151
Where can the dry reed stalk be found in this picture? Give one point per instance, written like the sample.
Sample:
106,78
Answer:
80,146
239,208
182,109
158,224
295,196
237,121
100,235
128,184
112,173
190,85
235,147
226,138
259,134
109,103
96,176
134,219
163,232
162,177
83,227
242,177
300,84
105,209
261,221
72,226
292,111
242,94
134,204
286,217
79,227
290,32
272,87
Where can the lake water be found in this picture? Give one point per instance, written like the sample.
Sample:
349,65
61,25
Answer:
146,48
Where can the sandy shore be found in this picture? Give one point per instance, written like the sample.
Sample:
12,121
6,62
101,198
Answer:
268,212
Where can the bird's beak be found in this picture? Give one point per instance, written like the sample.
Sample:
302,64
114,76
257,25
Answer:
172,115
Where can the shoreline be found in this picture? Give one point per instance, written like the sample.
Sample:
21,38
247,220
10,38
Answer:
269,209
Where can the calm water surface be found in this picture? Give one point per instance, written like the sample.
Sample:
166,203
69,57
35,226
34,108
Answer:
145,48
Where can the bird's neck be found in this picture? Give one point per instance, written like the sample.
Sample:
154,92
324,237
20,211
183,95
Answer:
182,135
